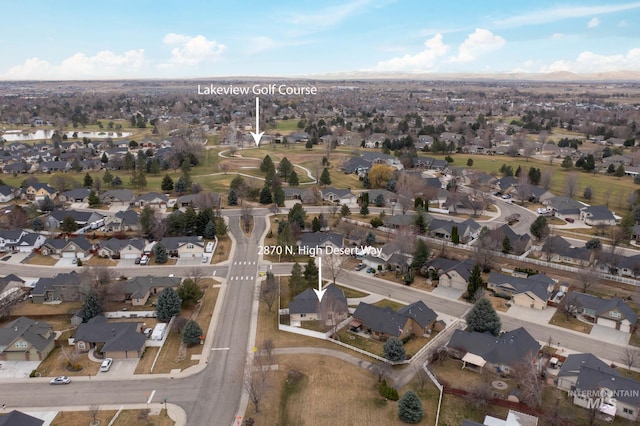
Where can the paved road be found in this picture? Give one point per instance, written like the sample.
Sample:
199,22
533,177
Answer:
32,271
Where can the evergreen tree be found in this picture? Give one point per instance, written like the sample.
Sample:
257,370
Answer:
265,195
88,181
364,209
455,237
370,239
420,255
325,177
316,226
394,350
210,230
420,222
311,273
189,292
107,178
160,253
619,171
37,224
181,186
379,201
192,333
410,408
167,184
293,179
168,304
69,224
116,182
345,211
279,196
104,159
482,317
285,168
297,282
232,198
94,200
475,281
539,228
267,165
567,163
297,215
91,307
506,245
286,239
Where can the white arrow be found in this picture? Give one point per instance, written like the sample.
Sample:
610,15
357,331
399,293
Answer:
257,135
320,291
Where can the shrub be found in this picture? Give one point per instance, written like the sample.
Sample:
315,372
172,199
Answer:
387,391
410,408
33,373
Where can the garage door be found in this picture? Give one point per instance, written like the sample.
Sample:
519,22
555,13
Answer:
130,256
68,254
607,322
625,327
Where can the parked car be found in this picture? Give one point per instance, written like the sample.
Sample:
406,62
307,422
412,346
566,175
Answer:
60,380
360,267
106,364
138,259
144,260
570,220
147,332
506,196
371,271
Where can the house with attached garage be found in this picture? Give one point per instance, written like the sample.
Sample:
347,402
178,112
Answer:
564,207
618,396
78,247
152,199
123,221
451,272
117,197
383,323
122,249
333,308
10,238
483,350
570,369
24,339
139,289
118,340
29,242
597,215
63,287
533,291
557,249
38,192
78,195
184,247
7,193
341,196
614,313
313,240
443,229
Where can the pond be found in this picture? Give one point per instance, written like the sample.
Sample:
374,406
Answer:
32,135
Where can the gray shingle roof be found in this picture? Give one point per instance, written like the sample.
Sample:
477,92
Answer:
18,418
383,320
593,379
38,333
420,312
139,286
506,349
116,336
321,239
603,306
536,284
573,363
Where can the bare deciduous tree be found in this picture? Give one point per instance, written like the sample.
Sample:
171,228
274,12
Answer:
528,375
381,369
93,410
335,264
631,356
571,184
269,291
246,216
255,380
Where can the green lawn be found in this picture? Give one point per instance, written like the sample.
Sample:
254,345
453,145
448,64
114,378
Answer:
288,126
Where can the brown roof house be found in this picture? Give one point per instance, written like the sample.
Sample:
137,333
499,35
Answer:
24,339
384,323
119,340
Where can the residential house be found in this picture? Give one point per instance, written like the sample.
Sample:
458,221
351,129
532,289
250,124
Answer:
54,166
78,247
10,238
7,193
117,197
139,289
123,221
451,272
502,353
38,192
341,196
357,165
184,247
505,183
63,287
399,221
315,240
570,369
597,215
119,340
29,242
514,418
24,339
495,239
619,393
557,249
152,199
78,195
81,217
538,194
443,229
333,308
564,207
533,291
387,197
18,418
122,249
614,313
384,323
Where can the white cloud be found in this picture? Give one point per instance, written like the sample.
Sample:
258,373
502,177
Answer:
191,51
623,24
476,44
426,60
327,17
543,16
557,35
104,64
260,44
594,22
589,62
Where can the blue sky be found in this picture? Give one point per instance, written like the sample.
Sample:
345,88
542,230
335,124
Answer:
67,39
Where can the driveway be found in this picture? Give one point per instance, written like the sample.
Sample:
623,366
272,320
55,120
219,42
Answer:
126,263
447,292
192,261
532,315
13,258
65,262
120,369
17,369
609,335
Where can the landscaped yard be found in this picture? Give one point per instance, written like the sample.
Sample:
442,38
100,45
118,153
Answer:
222,250
125,418
55,364
571,323
27,308
38,259
82,418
